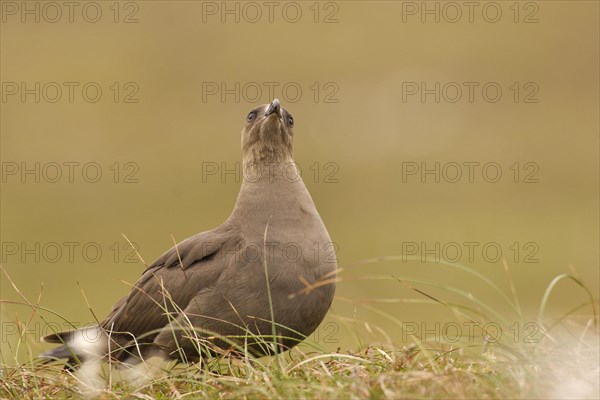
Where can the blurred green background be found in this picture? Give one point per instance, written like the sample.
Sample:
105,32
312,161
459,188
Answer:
364,57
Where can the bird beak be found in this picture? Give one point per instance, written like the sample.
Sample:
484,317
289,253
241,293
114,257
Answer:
274,107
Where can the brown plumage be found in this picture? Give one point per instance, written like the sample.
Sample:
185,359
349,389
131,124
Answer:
209,293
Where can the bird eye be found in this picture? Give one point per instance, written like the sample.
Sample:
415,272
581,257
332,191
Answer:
250,116
291,120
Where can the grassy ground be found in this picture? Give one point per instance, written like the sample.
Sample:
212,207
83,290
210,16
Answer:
559,359
374,372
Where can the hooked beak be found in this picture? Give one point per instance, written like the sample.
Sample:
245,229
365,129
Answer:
274,107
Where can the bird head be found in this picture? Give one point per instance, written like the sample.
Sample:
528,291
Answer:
268,134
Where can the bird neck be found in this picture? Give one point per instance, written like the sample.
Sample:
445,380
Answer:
266,152
269,170
271,188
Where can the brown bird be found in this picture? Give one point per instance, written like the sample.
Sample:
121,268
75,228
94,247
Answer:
261,282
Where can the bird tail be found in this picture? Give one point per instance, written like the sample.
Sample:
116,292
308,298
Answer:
77,346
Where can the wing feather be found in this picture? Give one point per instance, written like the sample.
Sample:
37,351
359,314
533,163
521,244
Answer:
170,283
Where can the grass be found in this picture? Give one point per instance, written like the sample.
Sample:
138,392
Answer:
372,373
559,359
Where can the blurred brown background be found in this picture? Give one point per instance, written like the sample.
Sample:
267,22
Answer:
361,122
